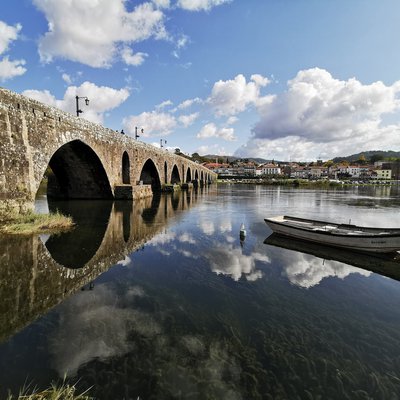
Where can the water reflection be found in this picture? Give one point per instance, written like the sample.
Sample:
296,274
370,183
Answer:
308,263
195,315
35,276
76,248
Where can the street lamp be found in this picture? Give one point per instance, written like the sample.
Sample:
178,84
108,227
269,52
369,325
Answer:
136,134
78,111
161,142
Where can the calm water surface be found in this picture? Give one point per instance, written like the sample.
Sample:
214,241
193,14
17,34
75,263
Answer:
162,300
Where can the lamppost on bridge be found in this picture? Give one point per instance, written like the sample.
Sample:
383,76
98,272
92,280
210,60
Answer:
162,141
136,134
78,110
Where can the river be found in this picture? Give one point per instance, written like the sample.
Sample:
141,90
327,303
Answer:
162,299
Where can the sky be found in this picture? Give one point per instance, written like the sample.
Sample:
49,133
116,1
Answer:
293,80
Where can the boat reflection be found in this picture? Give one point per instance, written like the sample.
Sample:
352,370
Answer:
387,264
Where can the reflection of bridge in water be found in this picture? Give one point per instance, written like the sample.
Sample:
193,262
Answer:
36,276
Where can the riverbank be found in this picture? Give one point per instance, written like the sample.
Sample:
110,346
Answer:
32,223
323,183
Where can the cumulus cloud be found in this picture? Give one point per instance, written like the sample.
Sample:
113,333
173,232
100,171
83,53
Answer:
132,59
89,32
200,5
233,96
162,3
164,104
102,99
187,120
210,130
8,34
66,78
154,123
9,69
188,103
326,114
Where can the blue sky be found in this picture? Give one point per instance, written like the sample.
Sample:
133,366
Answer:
277,79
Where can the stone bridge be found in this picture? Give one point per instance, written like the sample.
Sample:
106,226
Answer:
87,161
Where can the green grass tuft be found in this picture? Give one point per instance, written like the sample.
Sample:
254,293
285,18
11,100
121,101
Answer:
31,223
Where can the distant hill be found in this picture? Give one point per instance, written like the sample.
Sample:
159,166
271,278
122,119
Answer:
233,158
368,155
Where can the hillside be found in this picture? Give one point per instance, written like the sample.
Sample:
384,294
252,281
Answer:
377,154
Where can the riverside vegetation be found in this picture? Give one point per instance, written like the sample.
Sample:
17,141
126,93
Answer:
30,223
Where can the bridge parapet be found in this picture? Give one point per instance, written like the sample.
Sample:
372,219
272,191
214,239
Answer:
87,160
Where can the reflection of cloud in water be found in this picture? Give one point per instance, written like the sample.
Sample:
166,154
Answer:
162,238
187,253
306,271
225,226
227,260
99,328
125,262
230,239
207,227
186,237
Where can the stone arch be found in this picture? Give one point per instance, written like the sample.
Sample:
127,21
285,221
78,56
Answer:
183,174
77,173
188,175
126,169
165,172
150,176
175,178
196,175
202,176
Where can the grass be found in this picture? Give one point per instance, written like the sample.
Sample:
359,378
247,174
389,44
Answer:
31,223
54,392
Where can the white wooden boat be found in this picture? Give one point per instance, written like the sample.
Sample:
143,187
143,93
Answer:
379,240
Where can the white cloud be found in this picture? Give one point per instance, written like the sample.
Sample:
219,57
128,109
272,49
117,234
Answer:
188,103
8,34
10,69
199,5
232,120
102,99
66,78
132,59
187,120
153,123
90,31
210,130
234,96
319,114
162,3
164,104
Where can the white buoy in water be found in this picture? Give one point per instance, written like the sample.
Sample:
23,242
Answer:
242,232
